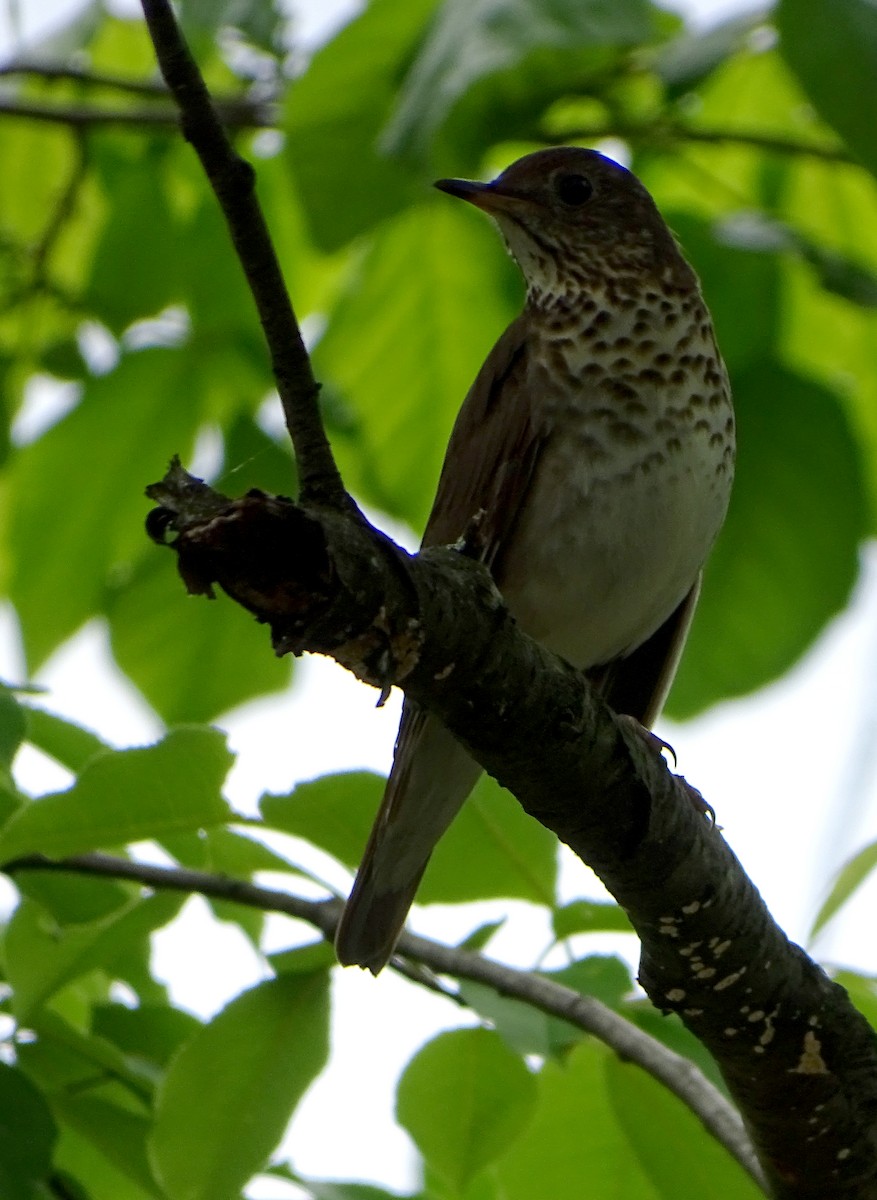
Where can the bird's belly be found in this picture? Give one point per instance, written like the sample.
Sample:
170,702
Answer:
601,558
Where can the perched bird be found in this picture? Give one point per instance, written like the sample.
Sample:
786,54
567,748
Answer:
596,449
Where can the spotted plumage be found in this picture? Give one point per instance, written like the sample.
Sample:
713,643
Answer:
597,443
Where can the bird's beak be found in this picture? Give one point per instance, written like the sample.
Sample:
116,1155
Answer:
486,196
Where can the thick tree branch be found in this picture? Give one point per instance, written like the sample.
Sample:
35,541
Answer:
797,1057
233,181
673,1071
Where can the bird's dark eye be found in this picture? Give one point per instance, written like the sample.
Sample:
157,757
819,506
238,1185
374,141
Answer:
573,189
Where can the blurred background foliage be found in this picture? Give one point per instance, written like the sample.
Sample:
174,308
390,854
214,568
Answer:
127,335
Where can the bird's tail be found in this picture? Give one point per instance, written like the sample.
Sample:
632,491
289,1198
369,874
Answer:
431,777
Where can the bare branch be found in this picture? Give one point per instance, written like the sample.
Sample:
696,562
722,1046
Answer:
795,1054
233,181
60,71
236,114
665,133
678,1074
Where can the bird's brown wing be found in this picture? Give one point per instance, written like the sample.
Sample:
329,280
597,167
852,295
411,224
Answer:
489,465
638,684
492,453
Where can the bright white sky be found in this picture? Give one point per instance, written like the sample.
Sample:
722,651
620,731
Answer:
790,773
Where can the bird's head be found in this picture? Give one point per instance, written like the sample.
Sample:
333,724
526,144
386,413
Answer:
574,220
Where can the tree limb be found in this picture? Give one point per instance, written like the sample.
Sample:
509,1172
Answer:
236,114
797,1057
665,133
233,181
62,71
675,1072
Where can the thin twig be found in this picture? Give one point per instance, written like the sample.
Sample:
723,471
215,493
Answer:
62,213
97,79
675,1072
663,133
237,114
233,181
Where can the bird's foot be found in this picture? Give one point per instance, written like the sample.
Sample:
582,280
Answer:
657,745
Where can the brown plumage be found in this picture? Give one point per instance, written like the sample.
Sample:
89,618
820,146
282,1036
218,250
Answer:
597,445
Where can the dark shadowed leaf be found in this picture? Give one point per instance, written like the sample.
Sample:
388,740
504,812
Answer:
833,51
13,726
789,549
27,1135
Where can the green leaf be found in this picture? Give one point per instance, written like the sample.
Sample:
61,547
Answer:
741,284
13,726
492,849
117,1133
325,1189
27,1136
403,346
483,1091
142,232
334,812
688,59
254,460
488,69
229,1093
304,960
89,1175
150,1032
191,658
522,1027
574,1146
603,976
833,51
789,549
335,113
126,796
849,879
589,916
138,416
671,1145
67,743
74,899
862,991
42,957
